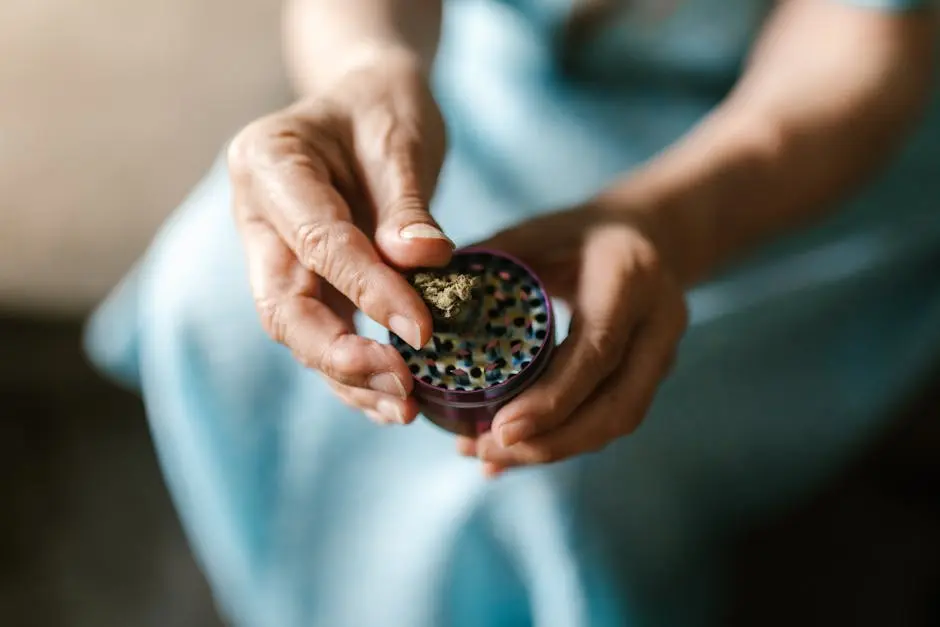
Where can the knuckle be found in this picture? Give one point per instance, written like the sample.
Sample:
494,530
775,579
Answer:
249,146
286,165
601,339
405,145
409,207
601,351
647,260
270,312
319,245
325,249
340,360
381,122
358,286
355,282
269,142
551,404
288,138
332,360
390,355
392,136
312,240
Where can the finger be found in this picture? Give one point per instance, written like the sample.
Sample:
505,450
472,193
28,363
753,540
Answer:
569,439
375,417
615,410
379,407
285,295
297,197
492,471
541,240
621,404
338,251
466,446
400,175
601,326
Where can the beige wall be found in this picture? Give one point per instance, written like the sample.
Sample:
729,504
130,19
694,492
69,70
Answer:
109,112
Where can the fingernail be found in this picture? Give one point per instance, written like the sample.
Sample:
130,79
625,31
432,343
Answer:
515,431
391,411
389,384
419,230
406,329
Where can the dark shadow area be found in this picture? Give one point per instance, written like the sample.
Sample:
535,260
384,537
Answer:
88,536
866,550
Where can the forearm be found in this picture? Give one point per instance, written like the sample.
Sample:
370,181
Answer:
325,38
827,98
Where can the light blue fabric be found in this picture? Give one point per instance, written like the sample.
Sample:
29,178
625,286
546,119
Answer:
304,514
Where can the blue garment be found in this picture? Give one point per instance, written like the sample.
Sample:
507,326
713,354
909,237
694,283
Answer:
303,513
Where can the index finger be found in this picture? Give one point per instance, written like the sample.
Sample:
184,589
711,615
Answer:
301,203
287,298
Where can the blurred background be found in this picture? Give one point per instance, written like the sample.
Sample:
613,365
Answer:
109,112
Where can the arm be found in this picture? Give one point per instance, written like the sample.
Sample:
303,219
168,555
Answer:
326,38
330,194
827,97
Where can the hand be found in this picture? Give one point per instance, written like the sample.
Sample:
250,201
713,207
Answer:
330,197
628,317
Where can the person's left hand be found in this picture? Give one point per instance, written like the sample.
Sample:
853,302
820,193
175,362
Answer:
628,315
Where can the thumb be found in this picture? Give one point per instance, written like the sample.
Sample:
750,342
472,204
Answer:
540,240
401,185
549,245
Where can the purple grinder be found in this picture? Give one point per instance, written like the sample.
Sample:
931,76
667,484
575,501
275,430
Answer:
474,366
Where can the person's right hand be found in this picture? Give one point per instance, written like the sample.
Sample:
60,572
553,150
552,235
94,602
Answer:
331,199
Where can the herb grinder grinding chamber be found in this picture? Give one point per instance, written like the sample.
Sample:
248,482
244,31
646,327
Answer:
494,334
